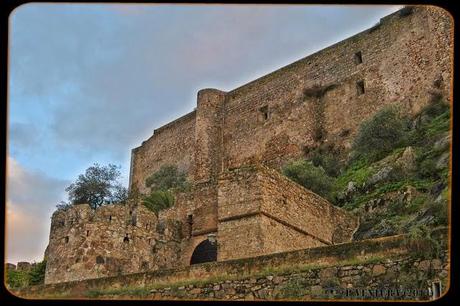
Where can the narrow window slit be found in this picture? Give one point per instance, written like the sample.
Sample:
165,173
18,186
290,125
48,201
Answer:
358,58
360,87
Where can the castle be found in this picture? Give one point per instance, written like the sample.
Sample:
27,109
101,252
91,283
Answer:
233,145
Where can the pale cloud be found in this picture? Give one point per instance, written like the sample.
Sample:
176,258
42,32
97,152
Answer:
31,198
26,235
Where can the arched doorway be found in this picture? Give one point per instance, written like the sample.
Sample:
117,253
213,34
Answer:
206,251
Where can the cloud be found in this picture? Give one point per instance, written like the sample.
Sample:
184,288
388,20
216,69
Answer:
26,235
90,82
140,72
31,199
22,137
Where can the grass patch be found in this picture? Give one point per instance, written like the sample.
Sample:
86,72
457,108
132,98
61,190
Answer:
419,184
358,173
439,124
132,291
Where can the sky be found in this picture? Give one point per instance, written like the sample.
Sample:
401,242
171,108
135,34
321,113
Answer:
89,82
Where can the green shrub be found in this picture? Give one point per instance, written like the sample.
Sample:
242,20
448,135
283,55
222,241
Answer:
167,177
436,119
328,161
439,209
23,278
380,135
416,204
422,244
314,178
436,107
439,124
17,279
158,200
37,273
359,172
427,169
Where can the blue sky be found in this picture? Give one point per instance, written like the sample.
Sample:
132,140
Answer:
87,83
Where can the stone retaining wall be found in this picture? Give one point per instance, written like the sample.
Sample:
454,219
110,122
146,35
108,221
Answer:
382,263
381,279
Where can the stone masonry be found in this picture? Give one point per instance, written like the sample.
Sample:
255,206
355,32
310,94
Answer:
233,145
386,268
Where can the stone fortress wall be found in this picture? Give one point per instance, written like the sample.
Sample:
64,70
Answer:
401,60
232,145
398,61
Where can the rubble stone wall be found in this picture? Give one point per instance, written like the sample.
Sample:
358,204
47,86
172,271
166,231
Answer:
111,240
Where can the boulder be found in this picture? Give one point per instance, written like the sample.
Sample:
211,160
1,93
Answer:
378,270
407,161
442,143
443,161
384,228
380,176
409,194
351,187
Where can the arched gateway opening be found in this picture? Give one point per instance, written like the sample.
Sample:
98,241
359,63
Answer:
206,251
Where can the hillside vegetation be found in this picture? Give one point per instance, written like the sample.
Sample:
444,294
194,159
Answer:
395,177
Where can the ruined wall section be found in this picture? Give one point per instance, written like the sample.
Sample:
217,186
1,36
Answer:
173,143
399,61
262,212
111,240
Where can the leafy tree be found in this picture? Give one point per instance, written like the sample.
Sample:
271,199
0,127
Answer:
167,177
37,273
120,194
158,200
63,205
384,132
314,178
96,187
